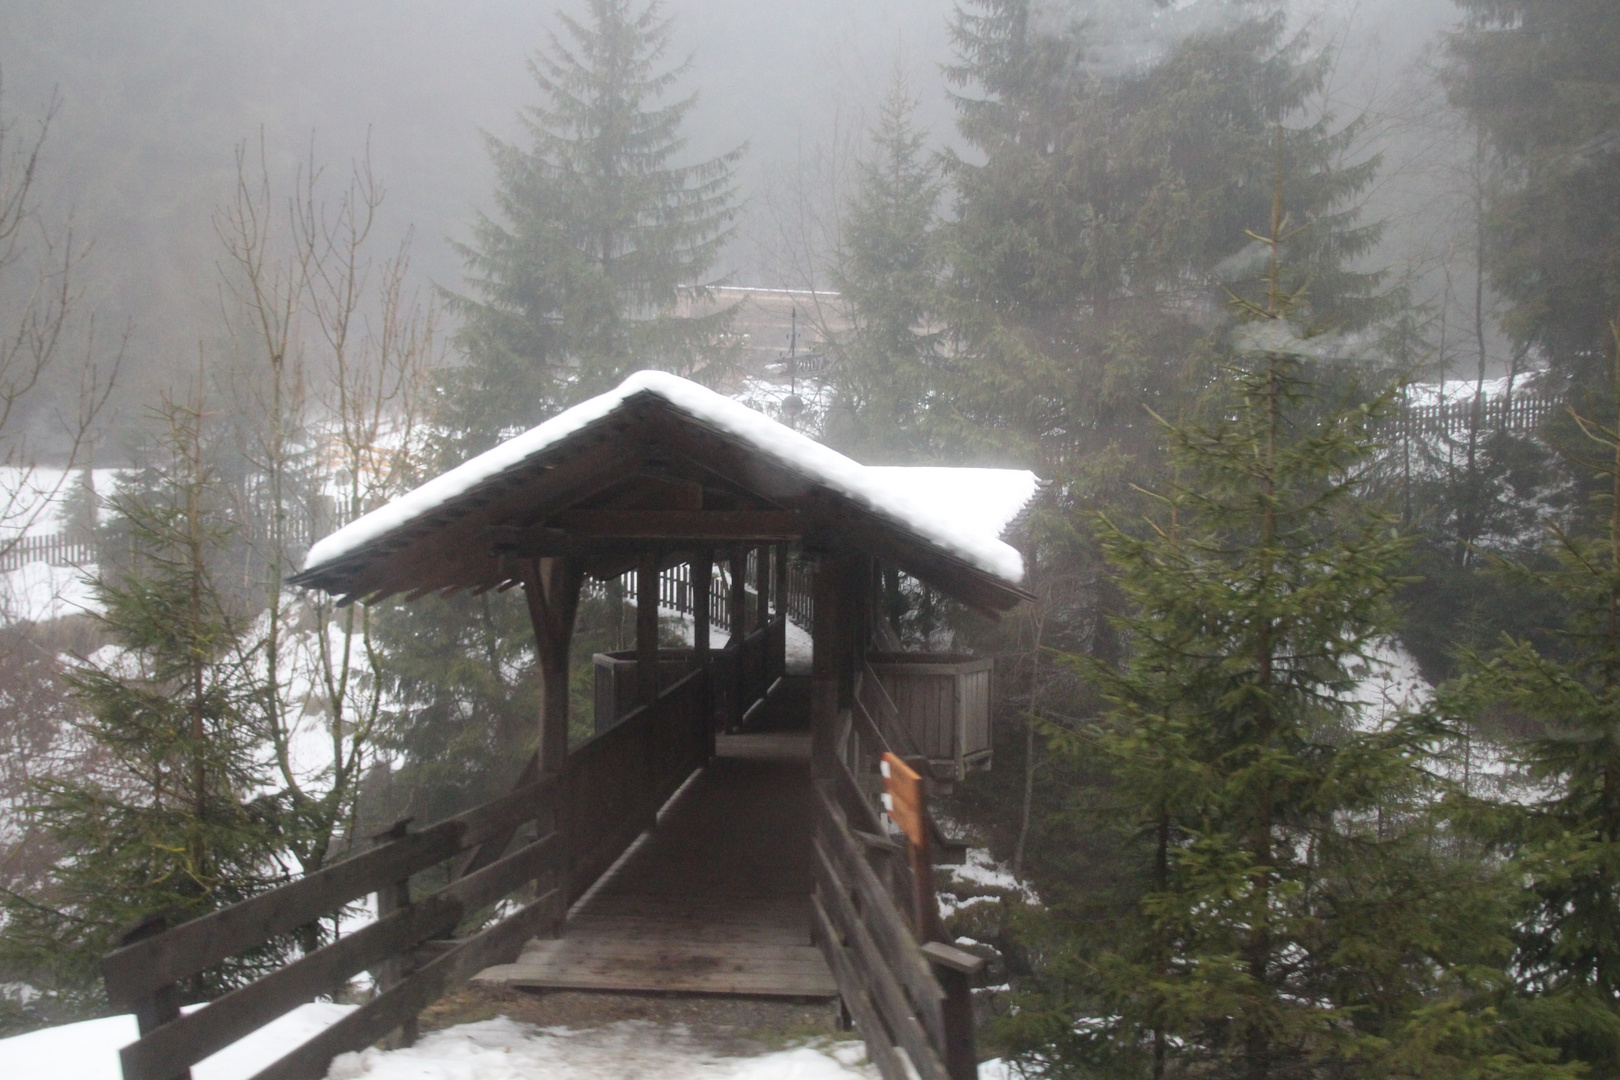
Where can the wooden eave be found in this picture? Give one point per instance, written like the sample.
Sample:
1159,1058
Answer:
644,477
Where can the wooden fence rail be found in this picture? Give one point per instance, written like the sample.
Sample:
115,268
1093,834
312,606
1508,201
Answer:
619,779
614,785
675,592
58,549
146,973
609,793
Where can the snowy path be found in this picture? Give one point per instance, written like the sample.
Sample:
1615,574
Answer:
631,1050
499,1049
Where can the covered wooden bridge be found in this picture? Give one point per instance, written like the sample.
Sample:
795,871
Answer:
723,833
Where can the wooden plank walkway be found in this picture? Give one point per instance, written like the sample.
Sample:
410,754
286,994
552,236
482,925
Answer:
716,900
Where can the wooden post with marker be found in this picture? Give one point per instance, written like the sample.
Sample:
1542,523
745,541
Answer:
906,800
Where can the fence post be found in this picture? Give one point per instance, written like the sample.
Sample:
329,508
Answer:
391,898
162,1005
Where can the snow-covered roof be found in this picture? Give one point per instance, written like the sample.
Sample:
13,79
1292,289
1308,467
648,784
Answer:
962,511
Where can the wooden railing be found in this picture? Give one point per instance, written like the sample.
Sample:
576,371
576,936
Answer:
744,672
582,822
675,592
145,975
57,549
619,779
1524,411
866,891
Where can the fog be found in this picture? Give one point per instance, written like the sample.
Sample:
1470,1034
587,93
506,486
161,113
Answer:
153,100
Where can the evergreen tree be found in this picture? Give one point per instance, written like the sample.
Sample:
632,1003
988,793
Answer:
1541,78
887,271
1564,837
1279,910
600,238
167,821
1093,241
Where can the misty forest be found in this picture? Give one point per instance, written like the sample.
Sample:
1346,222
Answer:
1305,313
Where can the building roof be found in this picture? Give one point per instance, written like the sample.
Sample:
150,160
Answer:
665,429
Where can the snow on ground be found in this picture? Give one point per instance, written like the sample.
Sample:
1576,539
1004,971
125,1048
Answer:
1389,684
1453,391
499,1049
31,500
502,1049
38,592
89,1050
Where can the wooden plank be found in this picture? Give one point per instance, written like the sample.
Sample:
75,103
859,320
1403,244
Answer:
138,969
660,950
723,926
384,1013
882,917
758,974
694,525
196,1035
856,999
900,1014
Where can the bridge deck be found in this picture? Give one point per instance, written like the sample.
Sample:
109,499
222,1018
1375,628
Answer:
715,900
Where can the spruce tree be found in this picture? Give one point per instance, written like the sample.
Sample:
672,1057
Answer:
1094,238
887,270
600,236
1563,837
1278,908
175,817
1541,79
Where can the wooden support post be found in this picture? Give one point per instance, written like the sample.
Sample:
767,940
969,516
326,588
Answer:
826,590
551,587
162,1006
779,589
762,584
702,584
395,896
647,629
737,570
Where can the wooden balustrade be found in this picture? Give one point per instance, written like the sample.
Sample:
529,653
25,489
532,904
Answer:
619,779
145,974
882,973
611,793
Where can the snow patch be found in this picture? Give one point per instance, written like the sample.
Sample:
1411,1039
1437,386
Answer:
89,1050
502,1049
40,592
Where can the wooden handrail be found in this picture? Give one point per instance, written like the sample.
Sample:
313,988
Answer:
414,993
873,953
194,1036
136,970
873,970
889,927
655,748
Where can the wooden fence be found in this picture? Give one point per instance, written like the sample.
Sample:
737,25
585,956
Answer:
909,997
145,975
1521,413
579,822
59,549
675,592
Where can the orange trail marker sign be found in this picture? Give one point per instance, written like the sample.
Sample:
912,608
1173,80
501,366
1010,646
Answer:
903,797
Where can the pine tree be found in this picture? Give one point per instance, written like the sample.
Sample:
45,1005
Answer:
1093,240
1564,838
168,821
887,271
600,237
1541,79
1279,910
